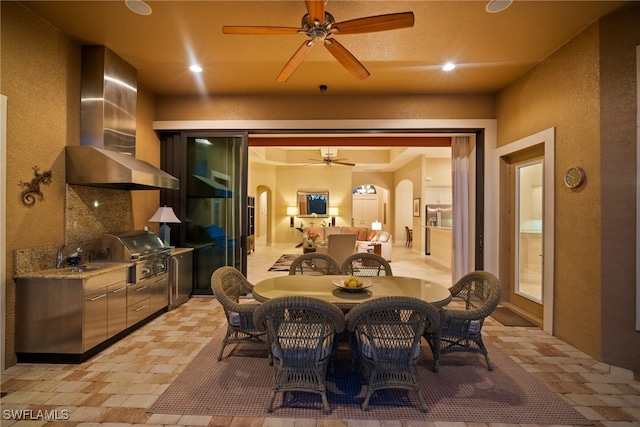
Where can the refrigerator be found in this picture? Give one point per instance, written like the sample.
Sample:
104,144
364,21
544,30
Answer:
180,278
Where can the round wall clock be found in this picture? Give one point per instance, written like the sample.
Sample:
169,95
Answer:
574,177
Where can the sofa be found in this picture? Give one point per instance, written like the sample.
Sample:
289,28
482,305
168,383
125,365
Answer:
364,238
383,239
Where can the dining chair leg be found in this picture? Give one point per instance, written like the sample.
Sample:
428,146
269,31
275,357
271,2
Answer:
271,399
325,403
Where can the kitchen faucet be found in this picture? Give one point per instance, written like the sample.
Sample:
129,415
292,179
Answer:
61,257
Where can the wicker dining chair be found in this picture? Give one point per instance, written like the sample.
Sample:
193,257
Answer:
228,285
461,328
314,264
387,335
301,333
366,264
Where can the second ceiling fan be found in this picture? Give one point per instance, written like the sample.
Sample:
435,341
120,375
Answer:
319,25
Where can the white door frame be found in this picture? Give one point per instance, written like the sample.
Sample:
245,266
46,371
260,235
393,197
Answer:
546,137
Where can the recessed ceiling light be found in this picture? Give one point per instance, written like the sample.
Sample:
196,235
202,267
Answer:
196,68
495,6
138,6
448,66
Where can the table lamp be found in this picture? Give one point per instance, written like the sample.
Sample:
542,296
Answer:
376,226
292,211
165,215
334,213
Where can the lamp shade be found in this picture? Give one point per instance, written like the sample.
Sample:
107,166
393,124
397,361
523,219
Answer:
164,214
376,225
333,211
292,210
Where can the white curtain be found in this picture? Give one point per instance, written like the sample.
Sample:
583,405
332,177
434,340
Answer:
460,233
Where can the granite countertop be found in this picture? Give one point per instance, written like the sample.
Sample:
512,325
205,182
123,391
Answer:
82,271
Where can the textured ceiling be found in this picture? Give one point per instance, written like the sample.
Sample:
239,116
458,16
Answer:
491,50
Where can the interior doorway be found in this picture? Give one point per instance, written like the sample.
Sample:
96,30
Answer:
524,174
525,198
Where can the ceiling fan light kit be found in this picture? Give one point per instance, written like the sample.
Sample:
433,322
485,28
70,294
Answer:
320,26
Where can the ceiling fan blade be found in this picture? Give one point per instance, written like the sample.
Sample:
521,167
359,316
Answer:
347,60
316,10
243,30
295,61
375,23
343,163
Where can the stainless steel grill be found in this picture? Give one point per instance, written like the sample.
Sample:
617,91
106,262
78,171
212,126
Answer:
144,248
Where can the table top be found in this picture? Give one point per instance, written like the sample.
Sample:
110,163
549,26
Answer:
321,287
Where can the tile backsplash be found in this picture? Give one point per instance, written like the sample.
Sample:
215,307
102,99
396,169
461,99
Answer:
89,212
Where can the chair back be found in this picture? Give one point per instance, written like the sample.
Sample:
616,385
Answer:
388,330
366,264
340,246
301,329
228,284
314,264
480,290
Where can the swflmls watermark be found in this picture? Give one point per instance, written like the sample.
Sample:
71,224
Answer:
35,414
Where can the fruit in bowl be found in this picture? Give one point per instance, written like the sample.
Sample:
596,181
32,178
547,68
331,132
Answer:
352,282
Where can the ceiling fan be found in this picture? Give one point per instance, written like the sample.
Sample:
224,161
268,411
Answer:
329,159
319,25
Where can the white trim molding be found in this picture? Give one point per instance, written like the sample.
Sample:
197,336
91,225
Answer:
546,137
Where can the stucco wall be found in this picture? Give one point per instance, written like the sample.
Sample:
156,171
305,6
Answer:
563,92
40,76
43,98
619,36
323,107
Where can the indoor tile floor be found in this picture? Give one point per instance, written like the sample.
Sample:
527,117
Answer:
116,387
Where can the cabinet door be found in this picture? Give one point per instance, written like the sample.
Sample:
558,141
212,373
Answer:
365,211
116,308
159,290
94,319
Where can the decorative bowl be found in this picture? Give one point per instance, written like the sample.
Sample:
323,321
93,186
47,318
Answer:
339,283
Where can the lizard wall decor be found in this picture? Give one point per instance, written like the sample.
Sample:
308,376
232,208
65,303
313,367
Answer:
32,188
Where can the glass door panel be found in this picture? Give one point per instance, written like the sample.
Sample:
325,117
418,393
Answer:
211,201
215,204
528,231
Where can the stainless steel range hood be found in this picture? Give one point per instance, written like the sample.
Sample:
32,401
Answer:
103,168
106,155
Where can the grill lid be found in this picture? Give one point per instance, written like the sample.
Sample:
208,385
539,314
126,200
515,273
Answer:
129,245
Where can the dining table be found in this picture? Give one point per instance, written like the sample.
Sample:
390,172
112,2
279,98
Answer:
331,288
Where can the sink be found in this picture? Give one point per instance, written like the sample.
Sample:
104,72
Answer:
83,268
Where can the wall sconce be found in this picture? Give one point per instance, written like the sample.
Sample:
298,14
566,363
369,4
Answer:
376,226
164,215
292,211
333,212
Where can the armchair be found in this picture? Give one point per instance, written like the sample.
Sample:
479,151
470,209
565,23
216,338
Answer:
461,329
387,334
228,284
339,246
301,333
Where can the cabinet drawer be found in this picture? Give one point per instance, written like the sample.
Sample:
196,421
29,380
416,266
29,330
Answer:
137,292
137,312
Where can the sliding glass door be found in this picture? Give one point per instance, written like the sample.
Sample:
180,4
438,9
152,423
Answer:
212,199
